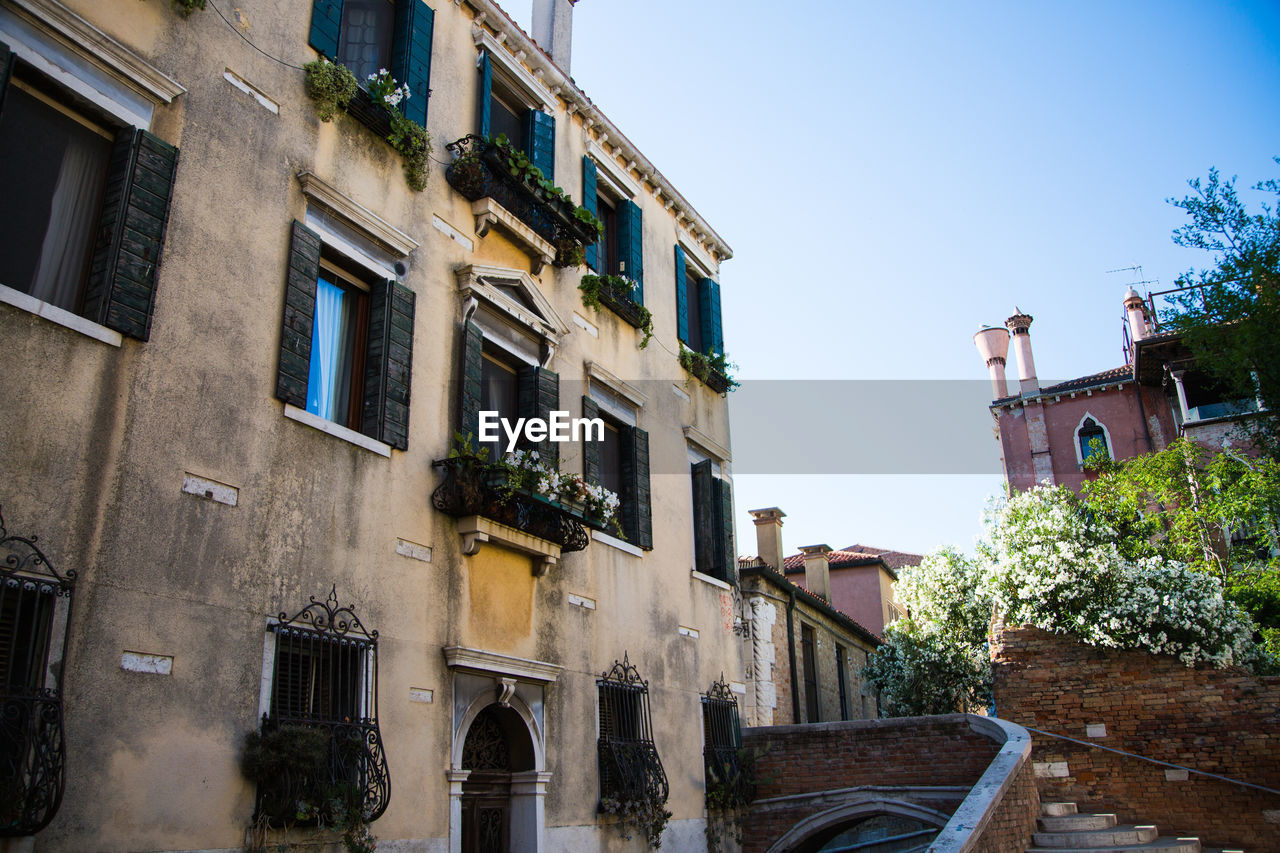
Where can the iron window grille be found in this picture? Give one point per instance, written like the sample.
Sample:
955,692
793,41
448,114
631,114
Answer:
35,616
728,782
325,678
630,769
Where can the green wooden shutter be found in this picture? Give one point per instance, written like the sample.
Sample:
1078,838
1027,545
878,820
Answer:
637,514
709,303
299,316
411,55
472,365
589,202
724,560
682,297
135,212
326,26
486,94
590,449
538,395
631,246
540,140
704,516
6,68
389,364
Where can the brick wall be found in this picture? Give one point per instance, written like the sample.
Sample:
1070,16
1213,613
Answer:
909,753
1221,721
1015,819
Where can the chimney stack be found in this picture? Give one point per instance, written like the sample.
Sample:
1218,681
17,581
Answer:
1135,311
553,29
1019,324
769,536
993,345
817,570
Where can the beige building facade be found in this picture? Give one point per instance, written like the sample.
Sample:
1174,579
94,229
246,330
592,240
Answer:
232,362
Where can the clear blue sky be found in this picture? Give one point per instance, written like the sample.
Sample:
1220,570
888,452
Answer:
893,175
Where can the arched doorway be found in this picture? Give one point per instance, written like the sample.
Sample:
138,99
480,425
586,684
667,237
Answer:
497,745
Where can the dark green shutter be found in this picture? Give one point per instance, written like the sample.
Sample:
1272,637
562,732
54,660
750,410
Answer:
6,68
472,365
538,395
682,297
486,94
326,26
388,364
724,561
709,305
631,246
637,514
540,140
135,212
589,202
704,516
411,55
590,449
299,316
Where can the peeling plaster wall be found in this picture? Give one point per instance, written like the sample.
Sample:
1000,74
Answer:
98,440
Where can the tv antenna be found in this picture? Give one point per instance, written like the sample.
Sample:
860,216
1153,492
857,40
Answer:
1138,269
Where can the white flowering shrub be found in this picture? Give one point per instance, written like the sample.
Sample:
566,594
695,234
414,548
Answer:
1047,564
936,660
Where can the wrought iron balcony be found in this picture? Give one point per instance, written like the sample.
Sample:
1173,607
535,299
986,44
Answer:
480,170
356,769
473,487
34,598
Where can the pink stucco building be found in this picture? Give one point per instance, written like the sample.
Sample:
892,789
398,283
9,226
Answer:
1048,433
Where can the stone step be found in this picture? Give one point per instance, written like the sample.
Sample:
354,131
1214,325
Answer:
1069,822
1057,809
1114,836
1159,845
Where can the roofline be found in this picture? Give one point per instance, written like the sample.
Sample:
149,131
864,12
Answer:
869,560
564,87
816,601
1047,393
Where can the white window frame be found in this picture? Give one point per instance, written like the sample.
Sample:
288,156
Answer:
1106,436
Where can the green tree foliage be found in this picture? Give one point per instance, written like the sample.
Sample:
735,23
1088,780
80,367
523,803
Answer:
1231,311
1185,503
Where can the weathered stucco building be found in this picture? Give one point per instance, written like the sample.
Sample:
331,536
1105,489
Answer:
237,344
806,656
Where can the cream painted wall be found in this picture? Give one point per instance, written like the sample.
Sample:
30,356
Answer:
98,439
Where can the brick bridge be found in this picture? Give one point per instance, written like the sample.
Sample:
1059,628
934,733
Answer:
964,777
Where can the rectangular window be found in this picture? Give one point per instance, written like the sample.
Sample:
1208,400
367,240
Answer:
499,392
620,463
694,342
323,708
53,165
809,662
507,118
607,246
713,550
627,758
335,383
319,679
721,744
346,346
369,35
86,202
842,664
364,45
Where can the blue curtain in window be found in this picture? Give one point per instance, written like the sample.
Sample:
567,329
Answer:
323,385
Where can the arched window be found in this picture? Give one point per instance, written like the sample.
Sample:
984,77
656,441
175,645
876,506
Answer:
1088,432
